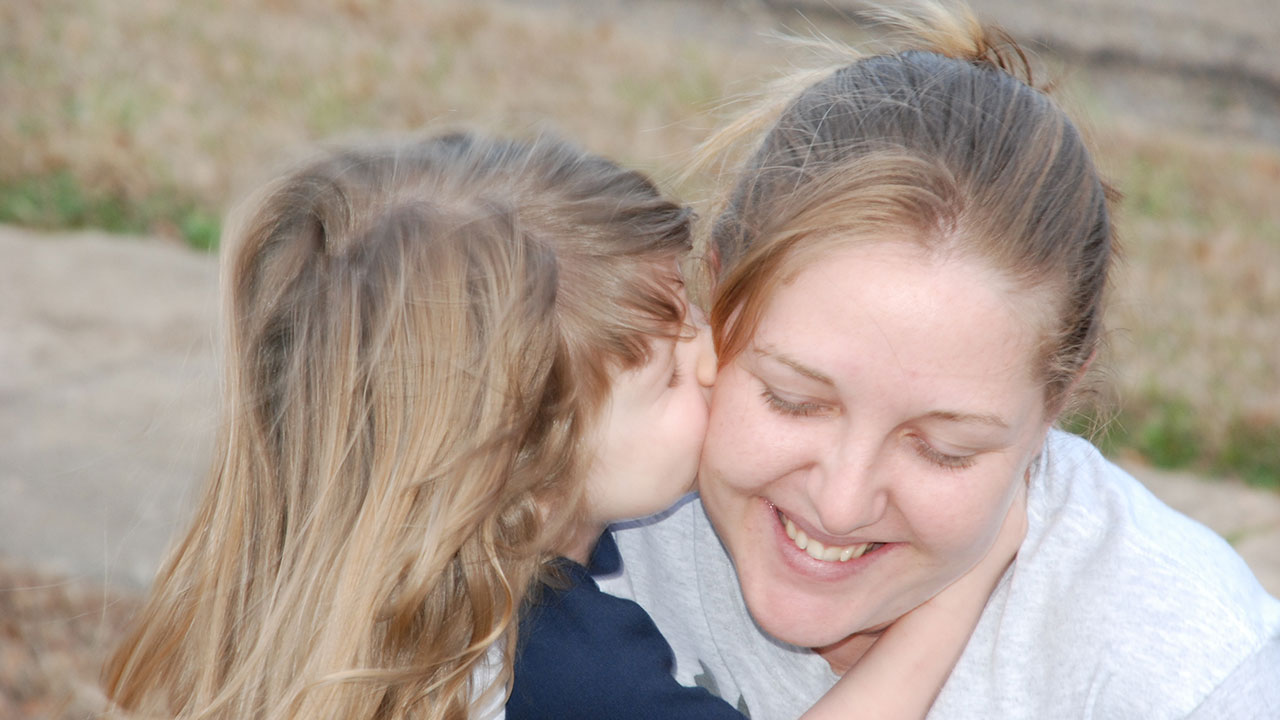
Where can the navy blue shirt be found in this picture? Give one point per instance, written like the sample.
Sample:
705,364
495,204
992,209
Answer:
586,654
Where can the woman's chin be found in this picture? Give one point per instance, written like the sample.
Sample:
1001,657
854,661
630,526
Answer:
798,620
799,599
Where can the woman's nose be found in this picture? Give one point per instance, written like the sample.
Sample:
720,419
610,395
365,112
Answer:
848,491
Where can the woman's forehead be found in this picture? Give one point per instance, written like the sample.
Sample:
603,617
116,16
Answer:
890,310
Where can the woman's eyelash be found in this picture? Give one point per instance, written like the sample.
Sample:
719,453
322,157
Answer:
786,407
942,460
923,448
676,377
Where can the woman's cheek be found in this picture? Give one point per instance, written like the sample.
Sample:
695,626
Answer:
959,519
743,445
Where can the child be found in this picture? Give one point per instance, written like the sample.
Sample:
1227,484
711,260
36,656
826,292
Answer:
449,363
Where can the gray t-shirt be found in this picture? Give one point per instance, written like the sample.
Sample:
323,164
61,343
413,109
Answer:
1116,607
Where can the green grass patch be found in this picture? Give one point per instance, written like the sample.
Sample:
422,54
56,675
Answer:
1157,186
200,229
1252,451
59,201
1169,433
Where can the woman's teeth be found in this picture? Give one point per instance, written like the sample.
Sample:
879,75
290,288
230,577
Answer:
818,551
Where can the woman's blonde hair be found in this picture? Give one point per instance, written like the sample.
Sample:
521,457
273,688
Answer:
945,141
418,338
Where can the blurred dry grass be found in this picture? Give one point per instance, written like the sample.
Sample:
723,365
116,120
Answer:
142,98
1195,317
54,635
154,115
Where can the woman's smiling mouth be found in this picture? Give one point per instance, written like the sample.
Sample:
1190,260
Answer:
817,550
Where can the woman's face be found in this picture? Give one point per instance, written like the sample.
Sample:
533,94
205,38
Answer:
865,447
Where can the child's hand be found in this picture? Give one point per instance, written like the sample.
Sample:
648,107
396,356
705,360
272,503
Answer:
904,670
965,598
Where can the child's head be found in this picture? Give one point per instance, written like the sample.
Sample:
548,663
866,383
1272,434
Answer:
647,444
422,340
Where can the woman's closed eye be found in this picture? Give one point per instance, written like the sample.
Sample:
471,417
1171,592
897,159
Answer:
793,408
941,459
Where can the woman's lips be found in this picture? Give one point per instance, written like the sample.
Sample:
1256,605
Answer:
820,551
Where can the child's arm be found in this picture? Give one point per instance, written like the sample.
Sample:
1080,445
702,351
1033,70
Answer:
902,673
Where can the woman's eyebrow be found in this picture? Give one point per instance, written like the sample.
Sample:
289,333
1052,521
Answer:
961,417
989,419
796,365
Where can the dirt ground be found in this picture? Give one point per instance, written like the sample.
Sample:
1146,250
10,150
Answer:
108,380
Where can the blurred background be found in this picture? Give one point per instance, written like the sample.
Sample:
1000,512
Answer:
129,127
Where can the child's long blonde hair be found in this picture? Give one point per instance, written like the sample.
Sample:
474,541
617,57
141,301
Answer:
418,338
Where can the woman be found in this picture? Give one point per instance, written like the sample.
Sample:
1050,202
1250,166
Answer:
910,285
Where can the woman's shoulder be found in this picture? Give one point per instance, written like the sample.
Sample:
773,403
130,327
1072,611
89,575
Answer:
1086,511
658,545
1111,578
1091,518
664,561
